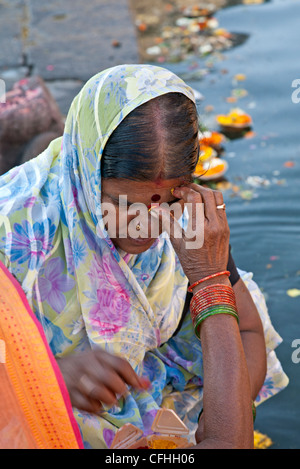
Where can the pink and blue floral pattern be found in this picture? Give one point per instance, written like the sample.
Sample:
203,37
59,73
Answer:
29,243
53,284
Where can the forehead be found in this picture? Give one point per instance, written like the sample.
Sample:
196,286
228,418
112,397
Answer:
138,190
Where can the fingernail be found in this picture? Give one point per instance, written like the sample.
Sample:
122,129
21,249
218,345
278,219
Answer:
176,190
145,383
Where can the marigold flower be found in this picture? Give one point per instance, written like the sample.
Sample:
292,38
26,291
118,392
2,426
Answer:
211,139
236,118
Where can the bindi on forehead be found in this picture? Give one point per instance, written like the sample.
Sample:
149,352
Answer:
155,197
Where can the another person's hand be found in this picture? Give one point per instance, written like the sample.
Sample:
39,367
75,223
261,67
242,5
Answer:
96,377
212,256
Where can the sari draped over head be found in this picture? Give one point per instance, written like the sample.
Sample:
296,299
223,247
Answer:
56,235
84,292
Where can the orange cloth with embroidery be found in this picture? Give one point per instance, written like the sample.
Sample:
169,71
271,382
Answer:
35,410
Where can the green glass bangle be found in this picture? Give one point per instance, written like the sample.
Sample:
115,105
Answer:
209,309
212,312
215,310
199,322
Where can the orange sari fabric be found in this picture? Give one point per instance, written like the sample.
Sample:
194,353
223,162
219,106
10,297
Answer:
35,410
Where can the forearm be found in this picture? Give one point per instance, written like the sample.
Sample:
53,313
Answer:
254,349
227,400
228,420
252,335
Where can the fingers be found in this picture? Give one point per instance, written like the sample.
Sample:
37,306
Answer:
97,377
191,200
83,402
203,244
107,377
124,371
209,197
95,390
168,223
219,202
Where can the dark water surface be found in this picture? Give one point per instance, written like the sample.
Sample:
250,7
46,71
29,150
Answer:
265,231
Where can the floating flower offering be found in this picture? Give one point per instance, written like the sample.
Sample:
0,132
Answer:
206,153
236,119
214,169
185,33
261,441
199,10
211,139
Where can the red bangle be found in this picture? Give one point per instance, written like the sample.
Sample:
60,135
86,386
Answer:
226,272
211,296
212,300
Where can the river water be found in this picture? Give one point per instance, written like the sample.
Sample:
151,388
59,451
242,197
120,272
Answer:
265,221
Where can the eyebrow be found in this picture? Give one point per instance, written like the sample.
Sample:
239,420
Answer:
116,199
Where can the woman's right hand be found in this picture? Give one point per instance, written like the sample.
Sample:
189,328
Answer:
96,377
211,252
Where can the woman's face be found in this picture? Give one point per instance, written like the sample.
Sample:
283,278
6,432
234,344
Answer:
129,226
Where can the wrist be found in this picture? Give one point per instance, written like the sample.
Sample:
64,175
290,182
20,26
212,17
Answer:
209,279
222,279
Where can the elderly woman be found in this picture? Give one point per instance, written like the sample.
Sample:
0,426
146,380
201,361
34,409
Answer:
113,301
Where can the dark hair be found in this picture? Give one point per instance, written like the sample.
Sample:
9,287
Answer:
159,139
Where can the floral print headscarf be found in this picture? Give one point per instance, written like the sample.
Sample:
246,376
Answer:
54,239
